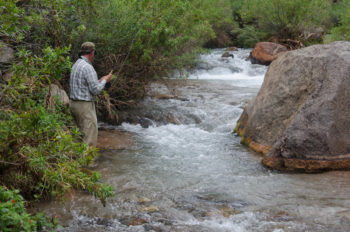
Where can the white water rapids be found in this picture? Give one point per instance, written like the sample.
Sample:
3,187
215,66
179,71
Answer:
196,176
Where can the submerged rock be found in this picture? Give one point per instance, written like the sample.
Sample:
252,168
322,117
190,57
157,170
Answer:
231,49
228,211
150,209
109,139
227,55
266,52
143,200
300,118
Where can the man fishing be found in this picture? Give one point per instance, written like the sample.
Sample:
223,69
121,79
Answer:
84,86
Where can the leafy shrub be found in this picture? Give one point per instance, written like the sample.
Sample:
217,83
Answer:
14,216
39,151
156,32
11,18
283,18
342,29
248,36
142,40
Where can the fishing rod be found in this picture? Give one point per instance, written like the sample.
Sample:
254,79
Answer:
132,42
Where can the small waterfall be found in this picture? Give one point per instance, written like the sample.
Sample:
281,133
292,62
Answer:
238,69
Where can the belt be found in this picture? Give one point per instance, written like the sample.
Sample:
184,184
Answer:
80,100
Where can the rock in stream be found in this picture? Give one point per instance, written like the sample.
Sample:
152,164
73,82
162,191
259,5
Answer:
301,116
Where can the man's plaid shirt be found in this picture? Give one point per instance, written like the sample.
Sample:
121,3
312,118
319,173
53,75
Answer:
84,84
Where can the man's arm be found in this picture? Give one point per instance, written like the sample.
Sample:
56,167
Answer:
95,85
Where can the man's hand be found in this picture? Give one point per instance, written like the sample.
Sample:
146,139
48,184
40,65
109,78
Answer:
107,77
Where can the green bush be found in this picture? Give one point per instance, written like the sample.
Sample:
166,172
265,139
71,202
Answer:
248,36
14,216
159,36
151,37
161,31
285,19
341,31
39,151
11,18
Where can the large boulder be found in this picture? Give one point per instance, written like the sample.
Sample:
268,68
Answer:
266,52
300,119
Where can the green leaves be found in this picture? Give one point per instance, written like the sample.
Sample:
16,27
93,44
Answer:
39,153
282,18
14,217
11,21
342,29
35,141
54,62
33,72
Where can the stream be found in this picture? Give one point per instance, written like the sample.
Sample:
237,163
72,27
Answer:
194,175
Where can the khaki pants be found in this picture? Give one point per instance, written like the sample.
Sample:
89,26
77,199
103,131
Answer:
84,114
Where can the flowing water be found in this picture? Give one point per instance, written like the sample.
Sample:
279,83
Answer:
194,175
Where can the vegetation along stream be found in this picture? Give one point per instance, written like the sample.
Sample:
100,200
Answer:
194,175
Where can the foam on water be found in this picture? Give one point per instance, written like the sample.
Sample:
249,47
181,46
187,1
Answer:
194,171
237,69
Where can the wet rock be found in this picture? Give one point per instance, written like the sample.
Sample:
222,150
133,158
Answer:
164,97
137,222
228,211
204,65
173,120
148,227
281,216
133,221
157,228
235,69
104,222
266,52
227,54
143,200
113,139
182,99
231,49
132,119
6,53
167,97
301,116
56,91
345,215
150,209
145,122
165,221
